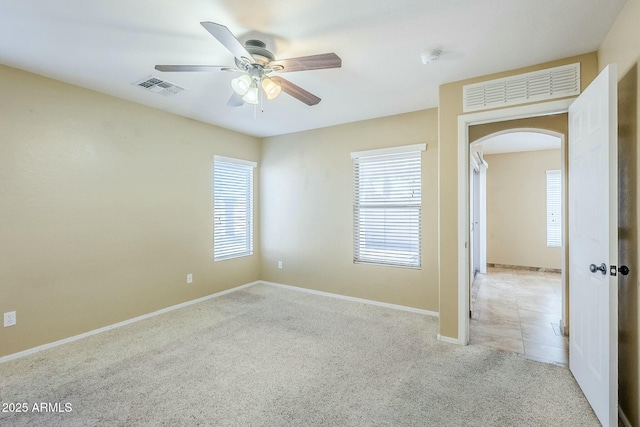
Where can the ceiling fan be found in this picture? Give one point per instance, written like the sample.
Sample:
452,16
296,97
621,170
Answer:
257,64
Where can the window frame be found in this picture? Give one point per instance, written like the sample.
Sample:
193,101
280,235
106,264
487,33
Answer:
384,212
238,238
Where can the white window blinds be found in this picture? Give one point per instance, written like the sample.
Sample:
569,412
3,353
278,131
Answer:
233,208
554,209
387,206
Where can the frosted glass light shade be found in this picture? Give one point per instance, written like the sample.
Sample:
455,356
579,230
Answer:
241,84
271,88
251,97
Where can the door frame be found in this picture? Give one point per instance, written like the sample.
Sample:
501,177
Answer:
477,244
464,121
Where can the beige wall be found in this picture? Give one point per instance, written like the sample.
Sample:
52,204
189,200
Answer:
307,211
450,98
516,209
106,206
622,46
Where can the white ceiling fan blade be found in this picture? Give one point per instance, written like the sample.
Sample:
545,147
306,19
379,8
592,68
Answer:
235,100
179,68
228,40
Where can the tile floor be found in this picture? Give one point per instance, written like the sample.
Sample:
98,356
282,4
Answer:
519,311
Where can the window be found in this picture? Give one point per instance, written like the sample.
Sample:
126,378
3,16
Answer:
233,208
554,209
387,206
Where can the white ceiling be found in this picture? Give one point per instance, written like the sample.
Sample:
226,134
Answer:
106,45
514,142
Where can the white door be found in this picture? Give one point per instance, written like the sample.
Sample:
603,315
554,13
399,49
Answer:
593,244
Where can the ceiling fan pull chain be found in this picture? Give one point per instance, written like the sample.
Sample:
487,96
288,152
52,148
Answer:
261,91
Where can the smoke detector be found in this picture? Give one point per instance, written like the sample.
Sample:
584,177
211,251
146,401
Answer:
431,56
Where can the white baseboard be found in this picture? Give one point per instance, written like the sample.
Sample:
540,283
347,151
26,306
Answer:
623,417
120,324
353,299
448,339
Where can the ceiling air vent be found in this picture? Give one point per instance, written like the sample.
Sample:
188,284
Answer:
540,85
157,85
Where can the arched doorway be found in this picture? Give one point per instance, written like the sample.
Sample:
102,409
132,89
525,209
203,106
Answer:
516,204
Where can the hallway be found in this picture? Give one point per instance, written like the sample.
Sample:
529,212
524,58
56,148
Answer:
519,311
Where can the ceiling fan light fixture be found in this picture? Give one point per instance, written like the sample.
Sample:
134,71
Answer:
271,88
241,84
251,96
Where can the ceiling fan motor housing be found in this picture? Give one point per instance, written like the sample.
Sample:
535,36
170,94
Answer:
258,49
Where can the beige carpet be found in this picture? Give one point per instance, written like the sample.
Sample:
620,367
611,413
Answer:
266,356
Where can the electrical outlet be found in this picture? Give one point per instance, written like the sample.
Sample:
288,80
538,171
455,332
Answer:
9,318
189,278
280,265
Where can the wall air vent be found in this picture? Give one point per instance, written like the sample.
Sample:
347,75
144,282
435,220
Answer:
536,86
157,85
